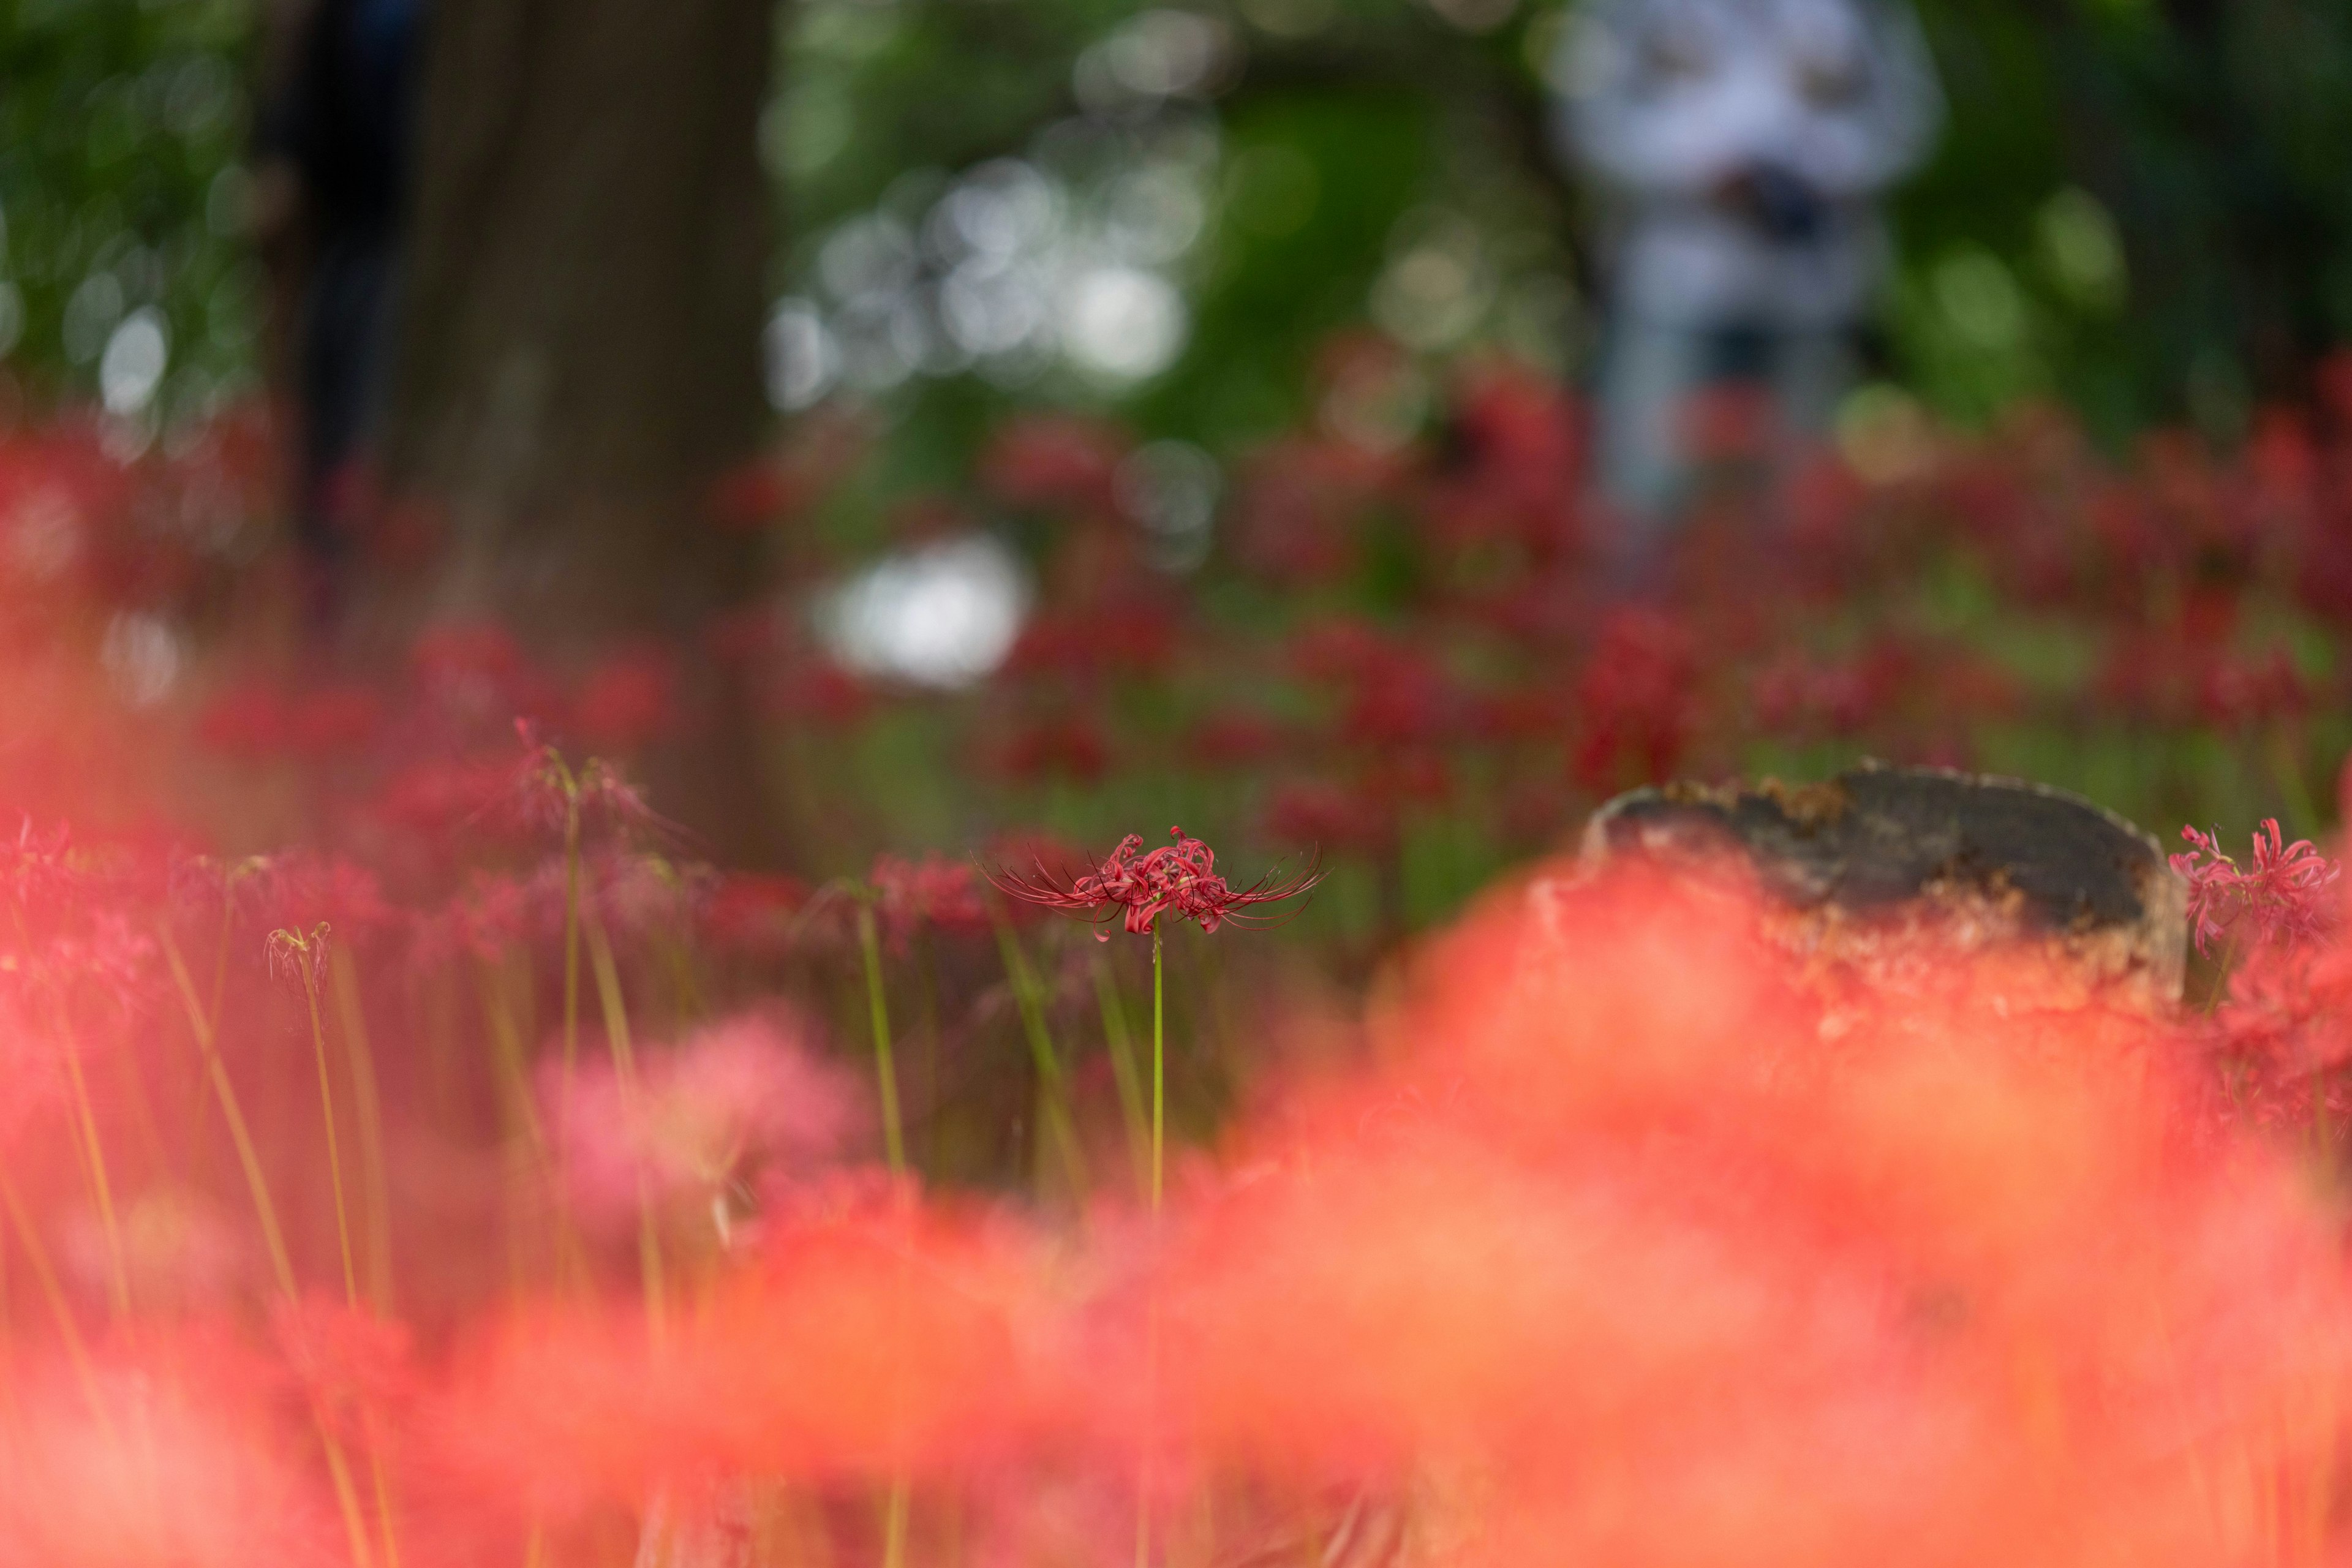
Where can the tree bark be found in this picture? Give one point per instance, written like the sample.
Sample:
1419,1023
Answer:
582,295
582,301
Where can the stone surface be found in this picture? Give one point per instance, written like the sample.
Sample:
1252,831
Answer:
1880,847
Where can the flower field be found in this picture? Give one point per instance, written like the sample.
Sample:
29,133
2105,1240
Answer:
420,1148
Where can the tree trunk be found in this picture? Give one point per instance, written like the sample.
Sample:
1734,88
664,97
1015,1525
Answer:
581,304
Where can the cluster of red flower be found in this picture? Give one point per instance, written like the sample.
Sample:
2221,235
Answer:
1178,879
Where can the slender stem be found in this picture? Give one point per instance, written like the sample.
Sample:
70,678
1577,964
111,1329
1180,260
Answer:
37,1258
610,999
1143,1519
1151,1309
93,1152
220,964
570,933
382,1481
376,1172
894,1523
273,1238
506,1050
620,1041
1159,1069
204,1024
102,1189
1121,1046
307,960
870,943
1048,1061
347,1498
2221,971
927,991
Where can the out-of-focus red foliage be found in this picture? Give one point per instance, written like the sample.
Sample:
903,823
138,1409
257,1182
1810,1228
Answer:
1636,701
178,1459
1059,462
697,1124
1640,1246
1610,1231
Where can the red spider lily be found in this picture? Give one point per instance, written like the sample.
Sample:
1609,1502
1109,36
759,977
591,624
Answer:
2276,1045
1794,694
748,497
2284,898
474,679
1180,878
490,917
1344,819
941,893
636,895
333,720
763,916
820,694
40,869
103,948
349,1361
1637,700
545,792
1073,745
2241,691
247,720
779,486
695,1122
300,890
1391,691
1299,512
1233,738
1130,637
628,701
1511,474
1057,462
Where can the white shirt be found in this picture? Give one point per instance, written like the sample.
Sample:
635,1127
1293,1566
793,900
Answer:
1664,101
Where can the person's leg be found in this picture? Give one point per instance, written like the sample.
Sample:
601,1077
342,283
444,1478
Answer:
1648,374
1814,368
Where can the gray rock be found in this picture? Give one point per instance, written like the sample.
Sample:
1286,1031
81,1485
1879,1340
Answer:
1878,843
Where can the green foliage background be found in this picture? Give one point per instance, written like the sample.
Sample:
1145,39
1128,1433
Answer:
2140,206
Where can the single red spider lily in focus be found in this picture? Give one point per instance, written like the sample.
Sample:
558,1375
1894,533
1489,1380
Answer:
1180,878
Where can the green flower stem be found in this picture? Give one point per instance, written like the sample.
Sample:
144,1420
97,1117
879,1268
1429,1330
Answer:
1159,1173
900,1502
1048,1061
1121,1046
1159,1070
869,942
621,1042
375,1170
305,962
571,929
201,1023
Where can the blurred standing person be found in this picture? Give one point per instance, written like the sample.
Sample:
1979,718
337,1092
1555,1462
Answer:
332,179
1740,148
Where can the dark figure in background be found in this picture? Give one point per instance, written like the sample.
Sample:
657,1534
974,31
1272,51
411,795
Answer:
331,175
